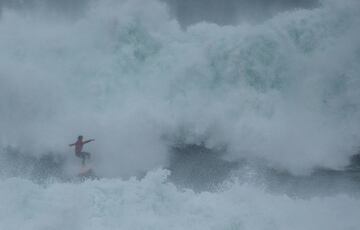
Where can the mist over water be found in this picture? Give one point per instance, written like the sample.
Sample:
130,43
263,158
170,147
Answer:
281,94
284,91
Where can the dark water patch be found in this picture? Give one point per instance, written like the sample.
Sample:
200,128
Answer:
199,168
355,162
15,163
321,182
228,12
202,169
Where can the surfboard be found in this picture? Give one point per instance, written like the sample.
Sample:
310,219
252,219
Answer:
86,171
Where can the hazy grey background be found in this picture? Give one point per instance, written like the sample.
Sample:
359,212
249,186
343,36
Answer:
186,11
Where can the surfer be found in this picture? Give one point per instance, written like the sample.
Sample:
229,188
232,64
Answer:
78,149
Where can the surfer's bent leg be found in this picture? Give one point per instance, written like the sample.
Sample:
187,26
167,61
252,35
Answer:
83,156
86,155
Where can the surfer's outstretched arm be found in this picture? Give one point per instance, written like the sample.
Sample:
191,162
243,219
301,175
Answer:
88,141
72,144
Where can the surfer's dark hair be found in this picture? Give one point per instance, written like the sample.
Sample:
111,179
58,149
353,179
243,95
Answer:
80,137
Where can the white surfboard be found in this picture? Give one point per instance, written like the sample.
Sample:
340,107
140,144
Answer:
85,170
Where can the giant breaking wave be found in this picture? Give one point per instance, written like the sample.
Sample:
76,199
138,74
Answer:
284,92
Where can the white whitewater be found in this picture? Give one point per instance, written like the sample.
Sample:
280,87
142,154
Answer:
152,203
